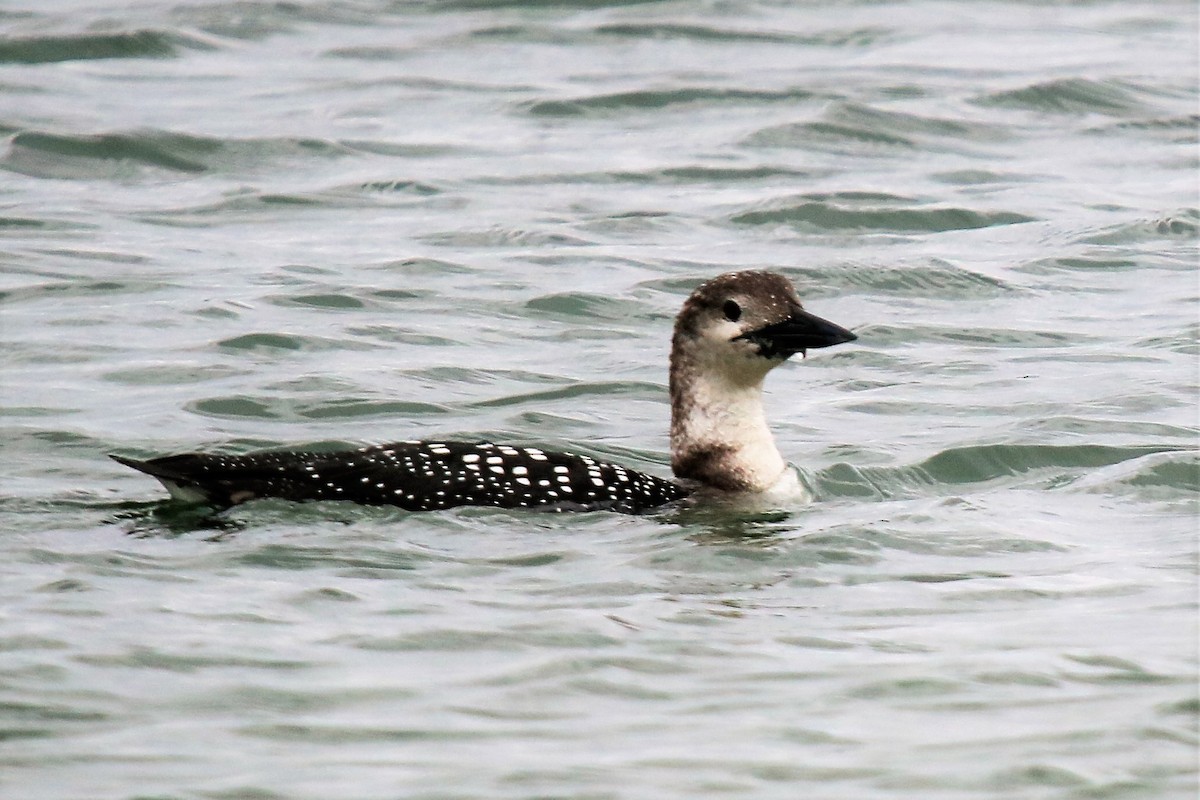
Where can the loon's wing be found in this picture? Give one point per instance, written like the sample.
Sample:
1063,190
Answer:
418,476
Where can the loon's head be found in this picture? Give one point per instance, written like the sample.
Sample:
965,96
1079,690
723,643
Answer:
731,332
750,322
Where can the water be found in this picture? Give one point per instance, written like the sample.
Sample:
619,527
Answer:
235,225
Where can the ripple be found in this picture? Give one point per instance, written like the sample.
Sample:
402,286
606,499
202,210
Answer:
154,658
23,720
266,342
539,4
1106,669
837,134
711,174
805,213
399,186
91,46
973,464
63,353
394,334
908,688
1181,129
1179,472
25,642
939,277
502,237
51,155
329,301
273,698
987,462
576,306
29,223
1183,224
860,128
836,37
1162,476
254,21
454,640
653,99
677,175
299,557
239,206
247,407
1078,263
628,389
113,155
1070,96
352,407
347,734
76,289
979,177
1017,778
987,337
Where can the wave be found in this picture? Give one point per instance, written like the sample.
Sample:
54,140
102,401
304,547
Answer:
145,43
975,464
107,155
822,214
653,99
1071,96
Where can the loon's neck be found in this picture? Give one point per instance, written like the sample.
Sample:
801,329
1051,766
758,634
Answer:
719,433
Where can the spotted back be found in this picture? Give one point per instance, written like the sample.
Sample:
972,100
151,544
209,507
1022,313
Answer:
422,476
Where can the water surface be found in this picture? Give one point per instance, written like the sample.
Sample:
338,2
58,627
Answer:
236,225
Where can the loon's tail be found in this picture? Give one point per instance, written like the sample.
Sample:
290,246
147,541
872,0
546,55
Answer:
172,473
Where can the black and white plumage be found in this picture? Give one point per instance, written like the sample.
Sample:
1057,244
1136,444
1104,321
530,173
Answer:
730,333
417,476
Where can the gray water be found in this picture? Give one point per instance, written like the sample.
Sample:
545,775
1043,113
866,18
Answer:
232,225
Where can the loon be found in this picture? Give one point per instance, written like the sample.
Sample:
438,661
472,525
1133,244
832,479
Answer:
730,333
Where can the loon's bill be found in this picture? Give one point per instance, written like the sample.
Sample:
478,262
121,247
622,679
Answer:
731,331
798,333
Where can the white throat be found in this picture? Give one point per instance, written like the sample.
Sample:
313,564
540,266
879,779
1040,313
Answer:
719,432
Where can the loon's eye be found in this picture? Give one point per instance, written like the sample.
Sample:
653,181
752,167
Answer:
732,310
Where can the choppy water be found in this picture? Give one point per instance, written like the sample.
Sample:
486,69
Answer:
239,224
